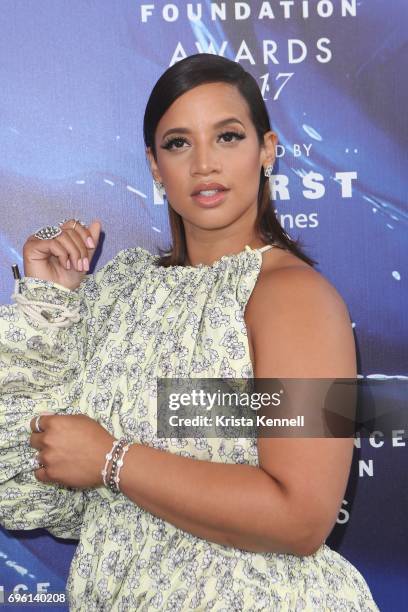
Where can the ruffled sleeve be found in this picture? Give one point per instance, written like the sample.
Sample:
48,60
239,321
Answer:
46,338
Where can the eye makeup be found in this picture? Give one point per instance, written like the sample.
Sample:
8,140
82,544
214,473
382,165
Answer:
170,142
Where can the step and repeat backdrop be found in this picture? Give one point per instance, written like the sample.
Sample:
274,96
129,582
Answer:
75,78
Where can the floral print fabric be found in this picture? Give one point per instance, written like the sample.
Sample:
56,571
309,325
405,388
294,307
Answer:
138,322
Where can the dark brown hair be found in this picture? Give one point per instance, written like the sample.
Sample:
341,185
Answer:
182,77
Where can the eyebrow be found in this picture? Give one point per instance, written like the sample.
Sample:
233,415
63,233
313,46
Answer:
183,130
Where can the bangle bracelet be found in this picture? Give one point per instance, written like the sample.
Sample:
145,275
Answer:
119,467
108,458
113,464
111,483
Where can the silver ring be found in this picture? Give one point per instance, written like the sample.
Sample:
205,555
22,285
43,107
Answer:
48,232
35,462
37,424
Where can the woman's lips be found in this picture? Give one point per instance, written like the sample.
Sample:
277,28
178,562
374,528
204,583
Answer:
207,201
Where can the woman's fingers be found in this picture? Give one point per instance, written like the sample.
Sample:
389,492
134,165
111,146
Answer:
35,440
94,230
82,231
79,253
72,248
84,241
40,421
86,235
54,247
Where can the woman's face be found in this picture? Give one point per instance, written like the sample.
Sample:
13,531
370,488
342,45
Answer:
206,142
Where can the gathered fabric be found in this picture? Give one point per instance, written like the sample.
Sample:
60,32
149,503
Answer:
40,311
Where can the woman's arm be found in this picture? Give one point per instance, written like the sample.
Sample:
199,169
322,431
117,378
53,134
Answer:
39,361
300,329
37,352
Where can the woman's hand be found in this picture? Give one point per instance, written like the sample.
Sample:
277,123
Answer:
72,448
65,259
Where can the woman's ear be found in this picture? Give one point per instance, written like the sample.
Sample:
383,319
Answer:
269,148
153,165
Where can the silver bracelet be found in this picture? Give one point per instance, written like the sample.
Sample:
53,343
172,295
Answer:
108,458
115,460
119,467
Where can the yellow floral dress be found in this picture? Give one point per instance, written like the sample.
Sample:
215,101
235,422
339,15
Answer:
98,350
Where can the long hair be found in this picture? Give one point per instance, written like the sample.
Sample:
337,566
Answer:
175,81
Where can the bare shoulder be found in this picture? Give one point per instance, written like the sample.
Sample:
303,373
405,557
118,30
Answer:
297,321
288,278
283,277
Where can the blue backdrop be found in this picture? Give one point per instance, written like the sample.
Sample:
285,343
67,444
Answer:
75,79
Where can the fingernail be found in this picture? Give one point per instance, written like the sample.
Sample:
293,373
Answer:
86,263
90,242
80,264
68,264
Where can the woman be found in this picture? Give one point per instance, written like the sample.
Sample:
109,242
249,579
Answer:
203,524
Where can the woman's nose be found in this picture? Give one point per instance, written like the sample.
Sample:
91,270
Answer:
205,160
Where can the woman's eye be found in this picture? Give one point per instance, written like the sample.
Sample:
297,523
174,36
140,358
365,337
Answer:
231,136
174,143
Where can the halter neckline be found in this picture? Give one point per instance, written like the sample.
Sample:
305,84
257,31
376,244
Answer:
218,262
234,256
